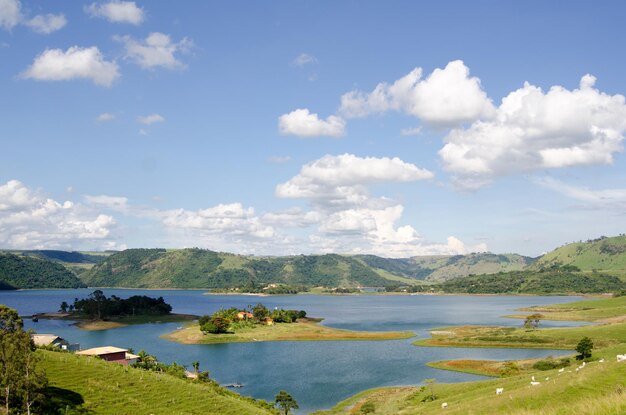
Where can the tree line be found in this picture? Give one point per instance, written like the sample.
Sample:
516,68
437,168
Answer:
228,320
98,307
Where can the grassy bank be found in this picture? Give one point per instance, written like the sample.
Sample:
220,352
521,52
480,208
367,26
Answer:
83,385
597,389
611,310
85,323
308,330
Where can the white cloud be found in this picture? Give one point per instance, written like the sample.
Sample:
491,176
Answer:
602,198
224,219
117,11
105,116
536,130
279,159
75,63
304,59
29,220
342,178
447,97
150,119
411,131
111,202
10,14
302,123
47,23
157,50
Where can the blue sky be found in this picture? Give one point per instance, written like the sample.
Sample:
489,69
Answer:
397,129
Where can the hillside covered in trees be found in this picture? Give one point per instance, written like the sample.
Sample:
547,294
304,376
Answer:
27,272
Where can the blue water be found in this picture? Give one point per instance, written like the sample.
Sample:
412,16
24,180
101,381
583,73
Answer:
317,374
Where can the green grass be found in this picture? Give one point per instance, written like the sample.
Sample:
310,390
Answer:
611,309
107,388
606,254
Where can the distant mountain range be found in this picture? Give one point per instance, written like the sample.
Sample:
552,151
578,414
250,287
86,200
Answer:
200,268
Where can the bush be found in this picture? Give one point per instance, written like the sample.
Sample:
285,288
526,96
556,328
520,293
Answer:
549,364
368,408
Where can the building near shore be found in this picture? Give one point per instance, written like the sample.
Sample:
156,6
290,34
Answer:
111,354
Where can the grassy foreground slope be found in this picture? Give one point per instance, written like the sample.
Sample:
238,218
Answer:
602,254
25,272
99,387
597,389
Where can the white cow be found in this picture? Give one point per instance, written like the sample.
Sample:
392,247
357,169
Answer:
535,383
601,361
621,357
499,391
444,405
561,370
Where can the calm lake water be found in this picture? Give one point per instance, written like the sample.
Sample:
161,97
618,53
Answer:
317,374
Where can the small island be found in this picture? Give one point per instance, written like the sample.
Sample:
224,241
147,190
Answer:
260,324
97,312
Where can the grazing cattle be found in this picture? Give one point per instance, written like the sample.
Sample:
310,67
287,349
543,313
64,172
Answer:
499,391
444,405
547,378
621,357
561,370
535,383
601,361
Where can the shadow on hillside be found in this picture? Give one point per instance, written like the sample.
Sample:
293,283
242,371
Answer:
62,401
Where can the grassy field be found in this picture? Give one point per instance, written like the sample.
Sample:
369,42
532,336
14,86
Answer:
605,310
597,389
85,385
309,331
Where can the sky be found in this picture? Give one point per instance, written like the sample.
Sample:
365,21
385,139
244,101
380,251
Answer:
293,127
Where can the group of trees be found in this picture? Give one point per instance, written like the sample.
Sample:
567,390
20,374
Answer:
98,306
25,272
225,320
22,382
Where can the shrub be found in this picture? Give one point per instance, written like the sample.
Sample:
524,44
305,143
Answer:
368,408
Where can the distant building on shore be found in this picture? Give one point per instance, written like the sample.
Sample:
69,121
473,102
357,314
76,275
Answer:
52,340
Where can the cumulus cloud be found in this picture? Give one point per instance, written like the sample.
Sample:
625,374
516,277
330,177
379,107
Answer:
29,220
303,59
226,219
150,119
535,130
10,13
348,218
343,178
74,63
117,11
302,123
47,23
157,50
105,116
448,96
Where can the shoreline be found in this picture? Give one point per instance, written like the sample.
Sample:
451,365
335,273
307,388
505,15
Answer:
84,323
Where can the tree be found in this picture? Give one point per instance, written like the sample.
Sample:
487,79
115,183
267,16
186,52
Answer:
584,347
63,307
430,385
532,321
19,378
196,366
260,312
285,402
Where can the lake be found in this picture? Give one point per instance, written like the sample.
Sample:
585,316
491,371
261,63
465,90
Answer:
317,374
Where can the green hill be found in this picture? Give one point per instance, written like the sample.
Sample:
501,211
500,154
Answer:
602,254
27,272
553,281
83,385
444,267
199,268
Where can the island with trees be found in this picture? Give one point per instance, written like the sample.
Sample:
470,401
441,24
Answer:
259,323
99,312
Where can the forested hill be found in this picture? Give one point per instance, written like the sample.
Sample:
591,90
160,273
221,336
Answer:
198,268
27,272
602,254
438,268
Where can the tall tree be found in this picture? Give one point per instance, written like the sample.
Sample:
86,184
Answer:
285,402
